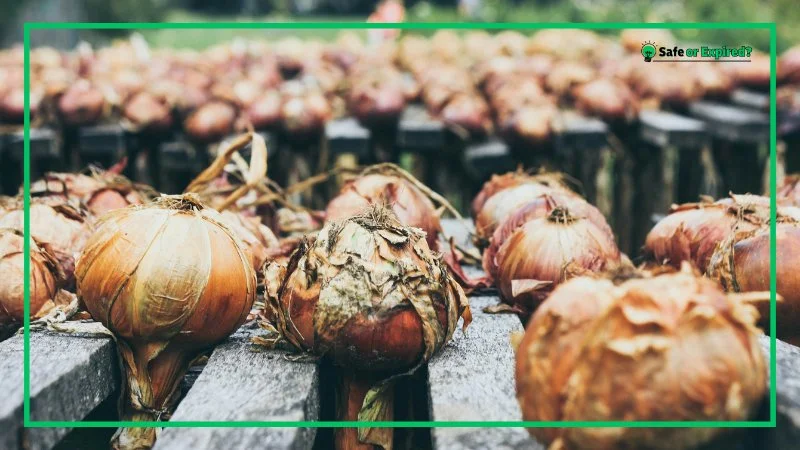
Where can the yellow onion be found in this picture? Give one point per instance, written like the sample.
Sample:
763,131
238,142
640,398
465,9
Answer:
371,296
504,194
170,280
741,263
537,208
386,184
45,280
547,251
692,231
667,347
60,227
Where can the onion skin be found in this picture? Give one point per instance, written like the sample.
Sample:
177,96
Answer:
538,208
44,282
500,205
410,205
211,122
82,104
259,241
372,327
692,231
468,112
545,252
61,228
184,284
596,351
741,263
754,74
101,192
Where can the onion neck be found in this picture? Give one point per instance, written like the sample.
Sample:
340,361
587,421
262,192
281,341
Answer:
351,390
561,215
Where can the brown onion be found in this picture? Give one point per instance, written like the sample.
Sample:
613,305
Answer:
170,280
385,187
547,251
82,104
666,347
370,296
258,240
468,112
755,73
538,208
211,122
741,263
45,280
692,231
564,76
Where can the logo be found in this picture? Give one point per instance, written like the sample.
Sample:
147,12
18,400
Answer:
688,54
648,50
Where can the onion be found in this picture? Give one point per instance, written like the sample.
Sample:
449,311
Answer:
537,208
547,251
102,191
305,115
148,112
61,228
669,85
374,101
504,194
170,280
385,185
371,296
258,240
45,279
754,74
564,76
82,104
691,231
713,81
608,99
12,104
468,112
741,263
666,347
211,122
265,112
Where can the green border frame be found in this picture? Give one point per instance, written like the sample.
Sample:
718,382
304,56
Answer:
770,26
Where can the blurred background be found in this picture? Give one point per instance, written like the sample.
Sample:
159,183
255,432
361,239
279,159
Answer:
14,13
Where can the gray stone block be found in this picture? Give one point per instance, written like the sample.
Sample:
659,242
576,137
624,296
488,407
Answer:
240,384
70,376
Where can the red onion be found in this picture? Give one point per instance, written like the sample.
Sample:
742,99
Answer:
211,122
547,251
82,104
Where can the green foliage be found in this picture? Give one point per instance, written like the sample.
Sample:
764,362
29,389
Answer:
126,11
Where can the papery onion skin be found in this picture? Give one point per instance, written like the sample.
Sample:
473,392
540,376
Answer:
148,112
789,193
692,231
383,329
410,205
538,208
547,251
259,241
101,192
170,280
503,203
44,280
741,263
596,351
62,228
